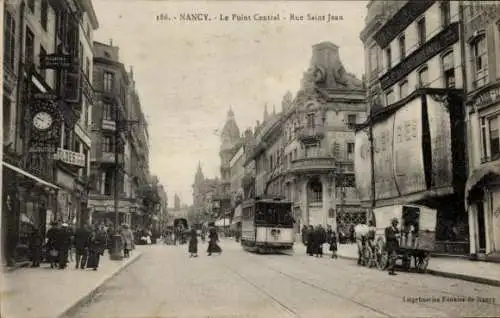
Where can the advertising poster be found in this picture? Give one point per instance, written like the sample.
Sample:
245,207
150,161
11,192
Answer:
440,131
362,164
383,135
408,156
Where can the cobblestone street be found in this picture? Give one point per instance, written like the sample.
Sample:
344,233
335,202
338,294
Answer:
165,282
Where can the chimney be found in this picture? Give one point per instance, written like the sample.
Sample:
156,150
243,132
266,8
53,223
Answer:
110,42
325,54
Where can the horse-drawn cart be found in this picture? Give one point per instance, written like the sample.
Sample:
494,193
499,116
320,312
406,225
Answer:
417,234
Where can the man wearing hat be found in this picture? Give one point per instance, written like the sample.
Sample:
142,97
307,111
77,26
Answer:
392,244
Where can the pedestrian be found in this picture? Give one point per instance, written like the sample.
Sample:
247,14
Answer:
51,246
310,241
193,243
392,244
96,248
304,235
35,244
63,242
71,231
213,238
127,239
333,243
319,238
82,244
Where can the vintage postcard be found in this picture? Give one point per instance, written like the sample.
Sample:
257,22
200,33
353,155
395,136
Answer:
250,159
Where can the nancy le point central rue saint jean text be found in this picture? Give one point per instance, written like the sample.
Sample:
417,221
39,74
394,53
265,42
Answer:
203,17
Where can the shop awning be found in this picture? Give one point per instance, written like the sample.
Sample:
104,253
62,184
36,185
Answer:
29,175
237,215
222,222
490,169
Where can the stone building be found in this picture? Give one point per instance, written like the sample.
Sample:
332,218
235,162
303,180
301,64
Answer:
482,49
305,153
206,196
47,97
415,80
118,107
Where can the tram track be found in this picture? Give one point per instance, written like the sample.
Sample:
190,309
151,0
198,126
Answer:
303,282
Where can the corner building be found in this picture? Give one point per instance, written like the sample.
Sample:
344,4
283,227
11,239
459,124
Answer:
412,148
482,48
306,152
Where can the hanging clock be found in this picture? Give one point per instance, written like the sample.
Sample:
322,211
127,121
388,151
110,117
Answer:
46,120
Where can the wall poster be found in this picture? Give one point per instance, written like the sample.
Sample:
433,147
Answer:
385,183
408,155
362,164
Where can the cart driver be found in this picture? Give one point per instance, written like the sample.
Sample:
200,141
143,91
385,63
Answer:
392,244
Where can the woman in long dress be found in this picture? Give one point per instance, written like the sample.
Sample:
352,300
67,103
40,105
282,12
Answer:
193,243
96,249
212,243
127,239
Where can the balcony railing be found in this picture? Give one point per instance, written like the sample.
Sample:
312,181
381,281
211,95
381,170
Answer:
311,134
312,164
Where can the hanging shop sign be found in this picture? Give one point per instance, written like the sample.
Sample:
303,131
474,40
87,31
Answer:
70,157
57,61
408,156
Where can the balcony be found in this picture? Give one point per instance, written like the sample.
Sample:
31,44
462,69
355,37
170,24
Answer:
315,164
107,124
311,134
109,158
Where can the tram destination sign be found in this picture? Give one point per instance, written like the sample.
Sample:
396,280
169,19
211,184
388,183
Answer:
430,49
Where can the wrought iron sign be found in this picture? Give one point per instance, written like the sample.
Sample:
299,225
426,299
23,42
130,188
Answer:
430,49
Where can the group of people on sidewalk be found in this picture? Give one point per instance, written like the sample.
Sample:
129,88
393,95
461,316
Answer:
315,237
213,239
88,243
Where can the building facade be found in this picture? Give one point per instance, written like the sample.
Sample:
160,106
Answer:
482,49
412,148
45,101
113,135
206,197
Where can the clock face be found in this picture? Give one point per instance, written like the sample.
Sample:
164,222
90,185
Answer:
42,121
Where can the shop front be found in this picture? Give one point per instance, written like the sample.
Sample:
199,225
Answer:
483,184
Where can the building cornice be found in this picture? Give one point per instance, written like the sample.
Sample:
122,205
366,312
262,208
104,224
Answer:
89,8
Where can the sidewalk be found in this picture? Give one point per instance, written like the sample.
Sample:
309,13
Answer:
459,268
50,293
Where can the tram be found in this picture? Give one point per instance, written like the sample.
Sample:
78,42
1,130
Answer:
267,225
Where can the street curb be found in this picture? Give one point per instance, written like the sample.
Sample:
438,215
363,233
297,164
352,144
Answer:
68,311
468,278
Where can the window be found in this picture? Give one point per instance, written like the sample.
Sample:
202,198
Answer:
423,77
494,138
76,146
108,182
350,151
388,54
445,13
402,47
312,151
373,60
87,67
351,119
403,89
44,14
107,144
31,5
108,81
479,61
107,112
389,97
43,72
86,155
421,32
448,70
29,48
9,40
310,120
315,190
67,138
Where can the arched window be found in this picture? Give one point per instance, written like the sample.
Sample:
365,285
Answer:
315,190
423,77
448,65
479,57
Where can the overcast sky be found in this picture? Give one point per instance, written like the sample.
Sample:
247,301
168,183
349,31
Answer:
189,73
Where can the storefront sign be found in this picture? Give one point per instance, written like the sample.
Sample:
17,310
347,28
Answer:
401,20
408,156
383,138
45,96
430,49
70,157
362,162
487,97
56,61
440,132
